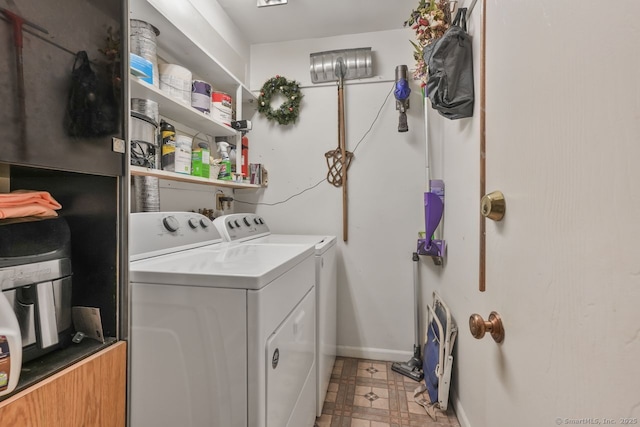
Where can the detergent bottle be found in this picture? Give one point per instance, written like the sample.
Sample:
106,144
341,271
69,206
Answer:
10,348
225,164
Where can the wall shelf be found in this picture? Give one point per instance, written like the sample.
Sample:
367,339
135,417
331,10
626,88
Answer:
172,176
182,113
175,46
188,39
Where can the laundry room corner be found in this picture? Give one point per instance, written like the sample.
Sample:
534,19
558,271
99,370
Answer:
385,183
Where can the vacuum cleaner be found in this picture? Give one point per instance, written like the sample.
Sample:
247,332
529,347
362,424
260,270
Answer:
413,368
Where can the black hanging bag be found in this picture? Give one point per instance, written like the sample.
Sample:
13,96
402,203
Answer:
450,64
92,108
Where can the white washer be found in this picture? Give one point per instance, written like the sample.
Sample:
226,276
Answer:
245,227
223,335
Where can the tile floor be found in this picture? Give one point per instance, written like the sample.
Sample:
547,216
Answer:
367,393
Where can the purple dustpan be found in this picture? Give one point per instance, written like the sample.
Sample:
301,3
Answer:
433,208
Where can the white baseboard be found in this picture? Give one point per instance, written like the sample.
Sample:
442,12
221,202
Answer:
459,410
374,353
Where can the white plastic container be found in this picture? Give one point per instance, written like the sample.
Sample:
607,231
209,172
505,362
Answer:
183,154
221,107
10,348
175,81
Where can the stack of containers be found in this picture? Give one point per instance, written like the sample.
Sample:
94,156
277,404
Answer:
174,151
145,148
143,43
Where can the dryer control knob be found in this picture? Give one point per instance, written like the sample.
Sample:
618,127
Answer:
204,223
236,223
246,221
171,223
193,223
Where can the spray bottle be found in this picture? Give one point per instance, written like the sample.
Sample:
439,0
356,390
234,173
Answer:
225,165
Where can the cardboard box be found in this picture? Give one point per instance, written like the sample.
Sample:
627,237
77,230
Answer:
200,163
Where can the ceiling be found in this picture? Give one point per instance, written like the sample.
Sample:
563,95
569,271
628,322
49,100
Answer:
303,19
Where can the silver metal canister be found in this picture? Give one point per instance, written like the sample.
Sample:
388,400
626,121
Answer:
147,108
142,42
146,192
145,148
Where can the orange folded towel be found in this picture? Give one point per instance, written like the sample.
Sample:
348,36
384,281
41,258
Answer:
21,203
27,210
28,197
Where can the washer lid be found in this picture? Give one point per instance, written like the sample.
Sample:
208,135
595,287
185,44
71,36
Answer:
322,243
241,266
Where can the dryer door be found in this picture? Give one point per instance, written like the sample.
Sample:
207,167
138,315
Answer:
290,356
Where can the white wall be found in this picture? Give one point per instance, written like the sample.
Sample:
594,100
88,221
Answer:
219,20
385,184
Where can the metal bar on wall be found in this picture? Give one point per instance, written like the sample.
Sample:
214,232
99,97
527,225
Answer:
45,39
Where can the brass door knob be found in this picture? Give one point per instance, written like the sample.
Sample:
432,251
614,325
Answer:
479,326
493,205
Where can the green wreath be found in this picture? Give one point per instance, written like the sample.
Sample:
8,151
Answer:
287,112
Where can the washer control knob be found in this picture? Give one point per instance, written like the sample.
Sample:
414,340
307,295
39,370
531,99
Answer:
256,221
236,223
193,223
230,224
204,223
246,221
261,221
171,223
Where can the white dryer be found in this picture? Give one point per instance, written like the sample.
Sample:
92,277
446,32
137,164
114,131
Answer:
222,335
252,228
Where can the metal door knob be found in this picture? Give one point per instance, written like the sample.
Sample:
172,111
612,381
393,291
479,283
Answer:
493,206
479,326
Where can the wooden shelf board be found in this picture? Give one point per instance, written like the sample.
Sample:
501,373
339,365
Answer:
140,171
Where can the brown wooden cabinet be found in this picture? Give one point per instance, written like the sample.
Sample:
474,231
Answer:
90,393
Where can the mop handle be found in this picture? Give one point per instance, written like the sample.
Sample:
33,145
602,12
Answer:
343,160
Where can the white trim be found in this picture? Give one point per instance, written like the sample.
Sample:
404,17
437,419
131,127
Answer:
374,353
459,410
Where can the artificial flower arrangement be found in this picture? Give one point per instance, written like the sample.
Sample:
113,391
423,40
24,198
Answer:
430,20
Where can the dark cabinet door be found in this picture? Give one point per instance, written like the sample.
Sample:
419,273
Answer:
40,96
